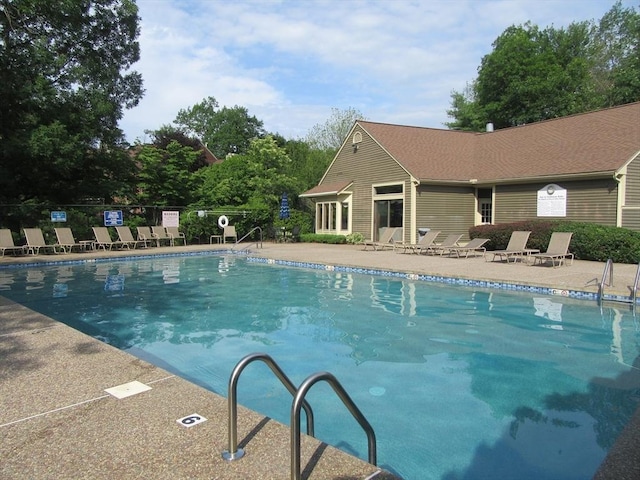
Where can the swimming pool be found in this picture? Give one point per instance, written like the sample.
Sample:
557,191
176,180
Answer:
457,382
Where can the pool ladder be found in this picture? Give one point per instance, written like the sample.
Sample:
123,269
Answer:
258,242
608,273
299,402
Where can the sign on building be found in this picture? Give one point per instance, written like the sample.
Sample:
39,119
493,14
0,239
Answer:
552,201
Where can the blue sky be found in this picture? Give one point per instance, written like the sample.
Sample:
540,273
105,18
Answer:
290,62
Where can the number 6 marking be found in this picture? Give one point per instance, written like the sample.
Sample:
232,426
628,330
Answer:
191,420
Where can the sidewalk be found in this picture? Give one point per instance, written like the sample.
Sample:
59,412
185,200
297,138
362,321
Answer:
58,421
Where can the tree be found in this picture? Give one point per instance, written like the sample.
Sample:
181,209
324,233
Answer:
617,52
534,74
164,176
330,134
63,89
254,179
223,131
166,134
307,164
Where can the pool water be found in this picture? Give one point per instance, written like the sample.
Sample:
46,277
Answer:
458,383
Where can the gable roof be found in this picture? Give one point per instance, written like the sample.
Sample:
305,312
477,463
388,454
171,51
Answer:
598,142
327,189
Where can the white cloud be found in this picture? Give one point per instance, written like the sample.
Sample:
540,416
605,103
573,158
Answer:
289,63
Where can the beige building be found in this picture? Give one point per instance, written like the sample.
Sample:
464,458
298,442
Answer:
583,167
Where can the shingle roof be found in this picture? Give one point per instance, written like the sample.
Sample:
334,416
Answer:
326,189
595,142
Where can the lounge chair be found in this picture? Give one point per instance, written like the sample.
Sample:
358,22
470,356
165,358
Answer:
125,236
160,234
6,243
66,240
229,232
386,240
35,242
516,248
449,242
103,239
558,249
424,242
145,235
175,234
475,245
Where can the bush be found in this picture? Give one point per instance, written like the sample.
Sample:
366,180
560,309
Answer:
590,241
355,238
322,238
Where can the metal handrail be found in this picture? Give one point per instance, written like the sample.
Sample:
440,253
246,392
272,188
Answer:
258,243
234,453
608,269
634,292
298,402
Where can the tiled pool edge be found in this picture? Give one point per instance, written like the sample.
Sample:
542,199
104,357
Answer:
510,286
127,258
514,287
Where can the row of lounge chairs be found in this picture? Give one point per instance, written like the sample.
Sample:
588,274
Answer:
66,242
557,251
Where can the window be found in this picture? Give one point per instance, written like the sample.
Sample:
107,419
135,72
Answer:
344,217
388,205
485,205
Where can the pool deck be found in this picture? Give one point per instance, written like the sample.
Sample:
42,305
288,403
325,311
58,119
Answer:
57,421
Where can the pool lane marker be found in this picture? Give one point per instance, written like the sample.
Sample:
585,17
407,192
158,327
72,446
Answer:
127,389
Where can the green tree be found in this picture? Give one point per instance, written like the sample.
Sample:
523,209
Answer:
534,74
223,130
254,179
166,134
617,53
165,177
65,80
307,164
331,134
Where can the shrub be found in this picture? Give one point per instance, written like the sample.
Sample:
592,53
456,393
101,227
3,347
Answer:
590,241
322,238
355,238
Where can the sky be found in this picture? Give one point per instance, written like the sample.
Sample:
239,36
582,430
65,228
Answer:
290,62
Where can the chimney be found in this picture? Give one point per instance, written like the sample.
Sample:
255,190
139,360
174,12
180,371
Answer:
489,127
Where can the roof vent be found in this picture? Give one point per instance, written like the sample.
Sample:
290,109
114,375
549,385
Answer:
489,127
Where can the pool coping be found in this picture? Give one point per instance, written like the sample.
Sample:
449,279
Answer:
450,280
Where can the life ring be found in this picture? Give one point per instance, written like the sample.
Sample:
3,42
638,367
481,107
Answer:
223,221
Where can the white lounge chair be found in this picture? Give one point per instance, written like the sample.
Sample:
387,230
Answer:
475,245
175,234
67,241
385,241
558,249
36,242
145,235
424,242
125,236
229,232
516,248
160,234
6,243
103,239
449,242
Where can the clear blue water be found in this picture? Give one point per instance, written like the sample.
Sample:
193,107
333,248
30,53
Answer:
457,383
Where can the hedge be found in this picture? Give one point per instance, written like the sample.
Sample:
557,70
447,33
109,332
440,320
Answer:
590,241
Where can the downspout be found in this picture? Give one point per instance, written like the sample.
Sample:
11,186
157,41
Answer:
414,214
619,177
